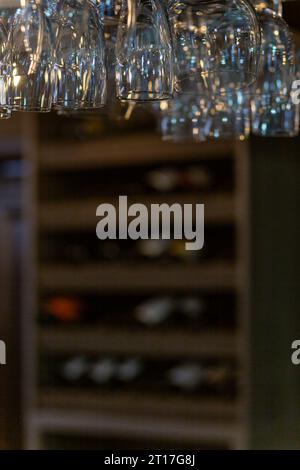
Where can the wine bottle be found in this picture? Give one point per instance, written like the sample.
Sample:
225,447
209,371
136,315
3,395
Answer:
62,309
197,377
73,371
154,312
102,372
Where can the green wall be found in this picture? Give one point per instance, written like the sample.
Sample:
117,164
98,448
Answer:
275,278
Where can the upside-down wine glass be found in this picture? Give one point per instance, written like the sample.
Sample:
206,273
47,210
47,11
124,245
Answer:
144,52
80,52
274,114
30,59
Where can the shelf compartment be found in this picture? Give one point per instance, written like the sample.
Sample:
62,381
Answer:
147,343
125,150
52,419
115,277
136,404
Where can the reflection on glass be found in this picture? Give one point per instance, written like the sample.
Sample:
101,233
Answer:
230,116
185,119
192,46
80,51
30,59
144,67
110,11
220,37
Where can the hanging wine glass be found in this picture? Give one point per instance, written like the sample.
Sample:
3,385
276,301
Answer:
228,33
273,111
230,116
192,47
81,66
185,119
235,33
144,54
30,59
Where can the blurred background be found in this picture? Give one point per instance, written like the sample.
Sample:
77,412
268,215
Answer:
138,345
120,344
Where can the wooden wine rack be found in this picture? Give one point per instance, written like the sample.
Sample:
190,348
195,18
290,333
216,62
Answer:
121,414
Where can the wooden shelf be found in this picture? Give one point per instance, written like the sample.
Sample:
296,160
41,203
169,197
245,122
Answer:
137,403
125,150
129,341
80,215
52,419
116,277
120,414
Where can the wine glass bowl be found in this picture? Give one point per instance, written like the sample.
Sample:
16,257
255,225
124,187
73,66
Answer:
219,38
185,119
230,116
210,65
80,51
30,59
144,54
